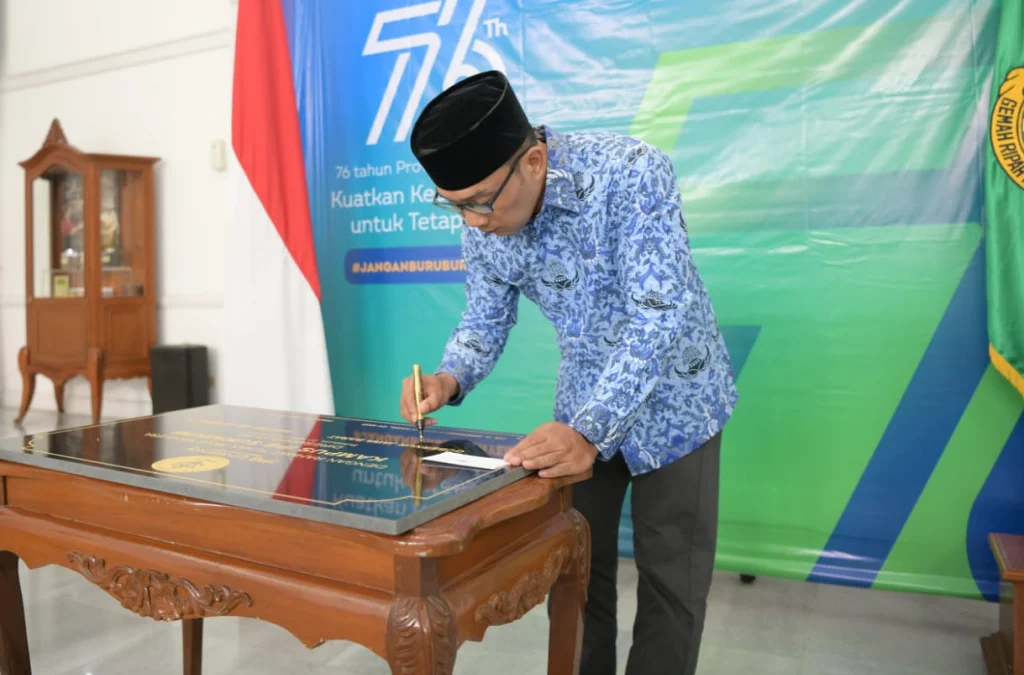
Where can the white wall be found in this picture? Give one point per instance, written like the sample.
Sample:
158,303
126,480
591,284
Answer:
123,76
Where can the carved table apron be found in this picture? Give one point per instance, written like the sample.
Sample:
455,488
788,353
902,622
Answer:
413,599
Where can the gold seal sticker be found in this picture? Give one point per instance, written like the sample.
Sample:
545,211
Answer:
190,464
1007,127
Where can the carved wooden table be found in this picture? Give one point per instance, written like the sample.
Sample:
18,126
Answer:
412,598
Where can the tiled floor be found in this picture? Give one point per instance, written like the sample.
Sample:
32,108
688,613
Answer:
770,627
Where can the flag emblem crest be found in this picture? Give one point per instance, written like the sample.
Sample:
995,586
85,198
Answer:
1008,126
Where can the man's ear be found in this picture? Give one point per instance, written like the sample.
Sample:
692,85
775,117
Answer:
535,161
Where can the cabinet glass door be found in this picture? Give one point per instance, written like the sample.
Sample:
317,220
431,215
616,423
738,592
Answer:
122,237
58,234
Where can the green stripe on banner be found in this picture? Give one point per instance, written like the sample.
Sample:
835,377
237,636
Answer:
814,403
834,128
899,47
926,558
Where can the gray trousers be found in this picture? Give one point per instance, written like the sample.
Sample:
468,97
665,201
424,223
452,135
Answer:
675,525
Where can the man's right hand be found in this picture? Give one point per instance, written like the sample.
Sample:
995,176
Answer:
437,391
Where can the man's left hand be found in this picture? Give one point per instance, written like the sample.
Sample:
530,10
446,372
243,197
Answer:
555,449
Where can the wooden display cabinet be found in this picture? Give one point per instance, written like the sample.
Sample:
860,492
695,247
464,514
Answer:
89,268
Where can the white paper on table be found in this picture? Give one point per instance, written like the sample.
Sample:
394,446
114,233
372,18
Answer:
470,461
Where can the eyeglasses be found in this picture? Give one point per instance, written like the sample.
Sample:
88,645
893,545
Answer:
487,207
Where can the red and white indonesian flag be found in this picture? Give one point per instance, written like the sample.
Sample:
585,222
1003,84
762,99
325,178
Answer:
275,354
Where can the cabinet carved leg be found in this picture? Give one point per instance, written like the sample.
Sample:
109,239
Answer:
28,383
421,638
58,391
95,373
192,643
14,658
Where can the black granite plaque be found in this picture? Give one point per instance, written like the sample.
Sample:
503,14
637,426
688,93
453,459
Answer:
357,473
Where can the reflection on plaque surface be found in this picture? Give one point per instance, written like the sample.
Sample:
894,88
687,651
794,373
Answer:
357,473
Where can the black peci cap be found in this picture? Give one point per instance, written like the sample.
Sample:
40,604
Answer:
469,130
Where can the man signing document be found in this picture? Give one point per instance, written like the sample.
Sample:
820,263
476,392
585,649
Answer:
590,227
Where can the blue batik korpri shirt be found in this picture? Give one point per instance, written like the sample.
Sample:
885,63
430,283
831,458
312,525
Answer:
644,368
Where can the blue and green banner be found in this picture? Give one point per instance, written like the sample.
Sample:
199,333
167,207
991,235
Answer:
831,162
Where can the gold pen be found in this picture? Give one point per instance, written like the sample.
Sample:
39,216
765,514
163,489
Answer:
417,378
418,489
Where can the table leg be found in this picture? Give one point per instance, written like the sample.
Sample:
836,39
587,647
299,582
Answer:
1016,626
192,643
14,658
568,601
421,637
565,636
